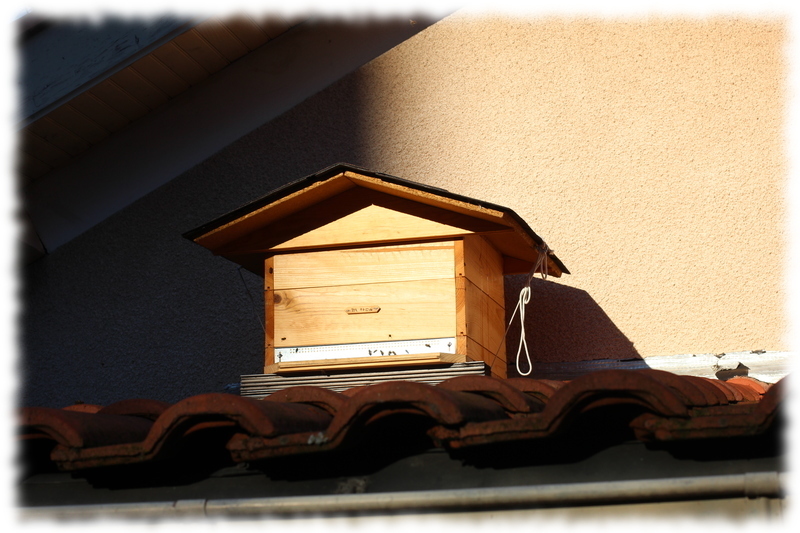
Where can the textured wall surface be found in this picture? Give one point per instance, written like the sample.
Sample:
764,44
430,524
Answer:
647,153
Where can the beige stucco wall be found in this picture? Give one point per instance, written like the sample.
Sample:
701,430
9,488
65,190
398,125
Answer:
648,153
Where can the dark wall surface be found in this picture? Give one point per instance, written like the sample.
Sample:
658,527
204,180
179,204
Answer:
132,309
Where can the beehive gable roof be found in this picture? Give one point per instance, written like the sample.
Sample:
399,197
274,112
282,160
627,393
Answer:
345,205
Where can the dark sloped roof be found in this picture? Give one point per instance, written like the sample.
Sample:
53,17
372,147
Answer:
461,413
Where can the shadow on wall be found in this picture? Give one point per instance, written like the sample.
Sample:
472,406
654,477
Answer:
562,324
131,309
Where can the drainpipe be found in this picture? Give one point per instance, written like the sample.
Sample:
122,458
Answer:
750,485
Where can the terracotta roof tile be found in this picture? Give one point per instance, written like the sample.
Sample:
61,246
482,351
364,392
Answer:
81,430
512,399
150,409
458,413
749,383
687,389
713,395
732,392
325,399
83,408
542,389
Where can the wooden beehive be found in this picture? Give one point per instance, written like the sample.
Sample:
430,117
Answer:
364,270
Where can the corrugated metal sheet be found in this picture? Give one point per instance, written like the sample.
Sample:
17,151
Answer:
261,385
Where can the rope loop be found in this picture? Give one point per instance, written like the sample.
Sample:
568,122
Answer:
524,299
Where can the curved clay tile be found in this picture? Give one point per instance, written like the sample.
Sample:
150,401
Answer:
299,420
204,411
747,393
445,407
746,418
83,408
369,403
76,430
325,399
733,390
253,416
607,387
685,388
729,394
150,409
712,394
538,388
621,384
553,383
769,404
512,399
750,383
352,391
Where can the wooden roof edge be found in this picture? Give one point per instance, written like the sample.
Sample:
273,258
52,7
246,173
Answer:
522,228
341,168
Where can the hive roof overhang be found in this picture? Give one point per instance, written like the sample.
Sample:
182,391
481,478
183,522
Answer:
280,221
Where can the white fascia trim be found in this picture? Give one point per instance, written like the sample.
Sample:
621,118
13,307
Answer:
750,485
766,366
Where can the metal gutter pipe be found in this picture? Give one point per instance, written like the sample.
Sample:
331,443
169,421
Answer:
750,485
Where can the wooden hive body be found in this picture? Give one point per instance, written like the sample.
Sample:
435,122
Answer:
363,270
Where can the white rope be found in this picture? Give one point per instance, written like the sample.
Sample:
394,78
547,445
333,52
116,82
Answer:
524,299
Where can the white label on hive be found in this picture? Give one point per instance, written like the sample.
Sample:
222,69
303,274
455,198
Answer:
362,310
366,349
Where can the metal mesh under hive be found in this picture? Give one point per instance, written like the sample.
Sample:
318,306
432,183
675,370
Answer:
261,385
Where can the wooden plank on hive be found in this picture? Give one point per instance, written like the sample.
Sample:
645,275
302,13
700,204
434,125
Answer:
496,362
372,224
426,197
408,310
251,222
483,266
509,245
512,265
356,216
378,264
461,298
269,312
366,362
481,320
